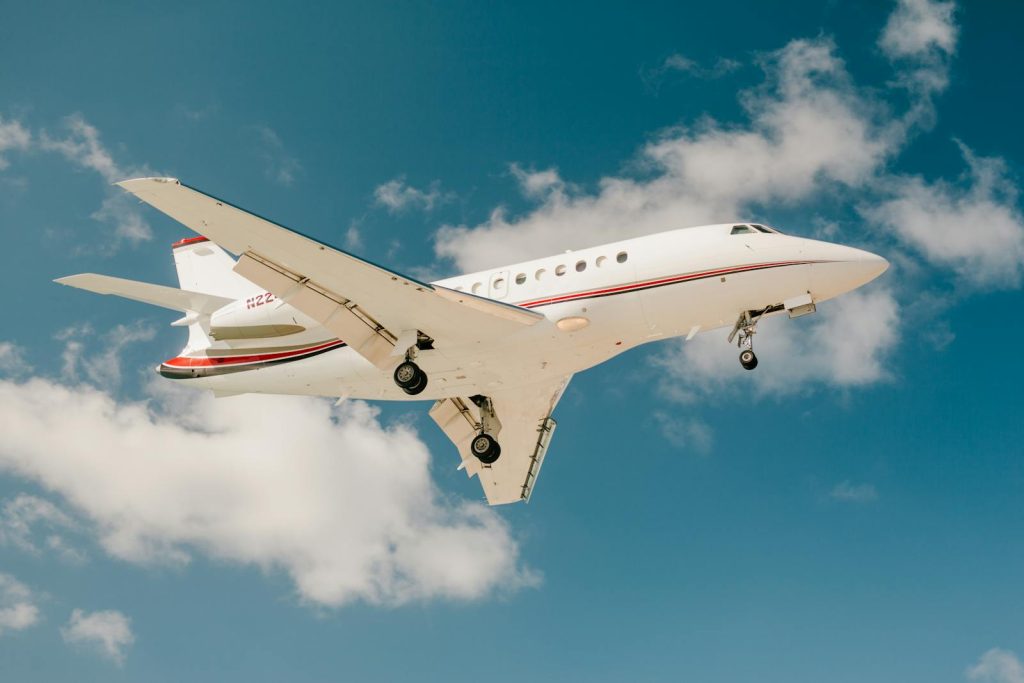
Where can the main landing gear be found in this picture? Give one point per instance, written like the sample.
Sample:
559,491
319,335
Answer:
484,446
410,378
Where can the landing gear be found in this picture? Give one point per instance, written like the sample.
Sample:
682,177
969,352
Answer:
743,331
410,378
485,448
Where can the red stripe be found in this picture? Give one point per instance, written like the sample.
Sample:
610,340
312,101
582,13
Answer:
189,240
206,361
655,283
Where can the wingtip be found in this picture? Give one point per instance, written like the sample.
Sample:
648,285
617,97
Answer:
130,183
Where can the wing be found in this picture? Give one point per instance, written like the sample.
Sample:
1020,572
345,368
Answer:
368,306
157,295
526,430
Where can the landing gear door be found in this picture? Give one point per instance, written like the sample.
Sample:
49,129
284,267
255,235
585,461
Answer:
499,285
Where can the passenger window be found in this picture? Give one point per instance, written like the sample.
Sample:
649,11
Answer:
521,278
742,230
621,257
458,288
540,273
581,266
476,287
560,270
499,283
600,261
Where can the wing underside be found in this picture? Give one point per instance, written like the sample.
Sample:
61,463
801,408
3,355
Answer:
526,431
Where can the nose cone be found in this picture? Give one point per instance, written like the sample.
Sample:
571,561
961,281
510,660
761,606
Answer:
841,269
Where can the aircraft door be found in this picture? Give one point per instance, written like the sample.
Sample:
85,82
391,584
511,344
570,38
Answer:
499,285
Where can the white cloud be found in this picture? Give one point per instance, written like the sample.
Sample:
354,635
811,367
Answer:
109,632
681,64
810,129
105,369
973,227
844,344
12,359
396,196
281,167
13,136
997,666
23,516
341,503
82,146
688,434
17,606
919,27
848,492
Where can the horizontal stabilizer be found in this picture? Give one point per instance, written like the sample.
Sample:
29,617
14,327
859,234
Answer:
157,295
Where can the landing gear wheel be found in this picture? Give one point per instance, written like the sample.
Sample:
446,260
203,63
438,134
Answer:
747,359
410,378
485,448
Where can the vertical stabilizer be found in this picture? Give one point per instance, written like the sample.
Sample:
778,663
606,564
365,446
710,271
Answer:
204,267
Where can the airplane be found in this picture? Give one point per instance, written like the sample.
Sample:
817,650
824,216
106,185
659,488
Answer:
494,349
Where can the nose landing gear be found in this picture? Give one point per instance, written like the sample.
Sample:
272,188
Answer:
743,331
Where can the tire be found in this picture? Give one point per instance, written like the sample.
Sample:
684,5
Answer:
407,374
419,384
485,448
748,360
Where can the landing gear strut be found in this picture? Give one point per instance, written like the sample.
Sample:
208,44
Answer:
484,446
743,331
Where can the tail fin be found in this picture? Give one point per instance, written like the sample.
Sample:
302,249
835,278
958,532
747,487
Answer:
205,267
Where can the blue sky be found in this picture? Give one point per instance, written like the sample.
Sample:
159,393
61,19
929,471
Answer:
848,512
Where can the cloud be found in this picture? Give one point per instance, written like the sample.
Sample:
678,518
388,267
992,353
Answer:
685,433
997,666
281,167
973,226
17,606
681,64
342,504
81,145
109,632
12,359
847,492
844,344
919,28
13,136
23,515
810,129
396,196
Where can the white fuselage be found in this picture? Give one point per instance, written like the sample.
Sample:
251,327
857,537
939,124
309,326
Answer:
597,302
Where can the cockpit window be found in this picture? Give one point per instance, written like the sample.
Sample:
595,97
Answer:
742,230
765,228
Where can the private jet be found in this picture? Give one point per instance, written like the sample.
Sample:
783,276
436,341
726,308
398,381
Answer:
494,350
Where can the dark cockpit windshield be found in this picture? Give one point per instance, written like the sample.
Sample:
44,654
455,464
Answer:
752,228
